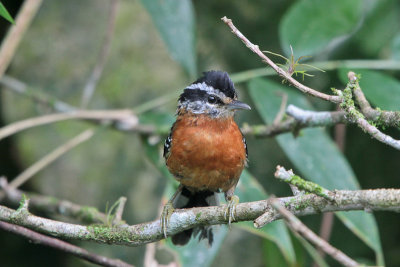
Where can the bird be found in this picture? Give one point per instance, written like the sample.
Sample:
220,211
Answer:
205,150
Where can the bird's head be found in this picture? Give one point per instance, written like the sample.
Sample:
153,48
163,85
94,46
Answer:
212,94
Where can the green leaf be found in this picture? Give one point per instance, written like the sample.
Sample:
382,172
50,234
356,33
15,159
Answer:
249,189
4,13
380,89
311,26
175,20
320,261
315,156
375,35
272,255
396,47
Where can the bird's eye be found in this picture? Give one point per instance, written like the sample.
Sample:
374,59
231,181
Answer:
212,99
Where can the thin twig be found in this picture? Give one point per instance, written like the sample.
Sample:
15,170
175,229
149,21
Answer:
182,219
282,108
289,177
280,71
16,32
17,86
246,75
297,226
123,116
102,57
52,242
316,118
120,210
50,158
328,218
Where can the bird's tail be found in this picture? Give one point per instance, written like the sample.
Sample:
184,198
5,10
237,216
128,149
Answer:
187,199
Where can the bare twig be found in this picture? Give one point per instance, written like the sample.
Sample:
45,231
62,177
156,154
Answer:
120,210
102,58
41,239
15,85
16,32
50,158
139,234
328,218
297,226
123,116
316,118
281,112
280,71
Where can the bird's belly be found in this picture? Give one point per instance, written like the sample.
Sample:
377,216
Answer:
207,158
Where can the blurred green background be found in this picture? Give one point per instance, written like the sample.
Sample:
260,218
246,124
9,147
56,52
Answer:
160,46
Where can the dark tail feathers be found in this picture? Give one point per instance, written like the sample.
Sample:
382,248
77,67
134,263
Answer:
188,199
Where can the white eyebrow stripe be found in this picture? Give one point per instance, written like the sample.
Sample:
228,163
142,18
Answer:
209,89
202,86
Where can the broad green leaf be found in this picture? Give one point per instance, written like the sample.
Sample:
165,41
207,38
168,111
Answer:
311,26
272,255
380,89
4,13
375,35
315,156
396,47
175,20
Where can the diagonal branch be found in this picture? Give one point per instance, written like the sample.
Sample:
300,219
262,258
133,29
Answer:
48,159
102,58
355,116
298,227
16,32
280,71
62,245
123,116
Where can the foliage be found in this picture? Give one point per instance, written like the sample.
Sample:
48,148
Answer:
4,13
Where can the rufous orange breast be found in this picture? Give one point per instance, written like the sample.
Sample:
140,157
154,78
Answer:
210,154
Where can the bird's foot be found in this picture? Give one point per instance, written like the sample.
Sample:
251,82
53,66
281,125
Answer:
230,210
165,216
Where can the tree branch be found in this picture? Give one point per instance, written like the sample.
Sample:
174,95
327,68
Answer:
123,116
280,71
16,32
102,57
298,227
135,235
355,116
62,245
49,158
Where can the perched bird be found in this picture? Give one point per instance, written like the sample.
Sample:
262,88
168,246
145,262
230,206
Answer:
205,150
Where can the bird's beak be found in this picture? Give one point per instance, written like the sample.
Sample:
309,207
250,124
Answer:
235,104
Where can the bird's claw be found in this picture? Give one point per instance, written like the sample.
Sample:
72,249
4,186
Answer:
230,210
165,216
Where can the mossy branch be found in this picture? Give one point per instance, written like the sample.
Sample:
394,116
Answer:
289,177
136,235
